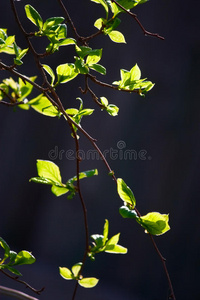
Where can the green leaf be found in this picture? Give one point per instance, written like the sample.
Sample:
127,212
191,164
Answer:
66,72
33,16
59,191
42,180
82,51
49,170
154,223
67,42
105,231
13,270
125,192
84,174
99,22
99,240
43,106
135,73
113,240
25,88
94,56
98,68
89,282
50,72
24,258
125,212
116,249
76,269
66,273
6,248
52,22
72,111
112,110
117,37
104,101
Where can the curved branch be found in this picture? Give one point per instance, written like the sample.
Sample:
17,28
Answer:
15,294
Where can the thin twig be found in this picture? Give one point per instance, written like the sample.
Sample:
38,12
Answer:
16,278
172,296
139,23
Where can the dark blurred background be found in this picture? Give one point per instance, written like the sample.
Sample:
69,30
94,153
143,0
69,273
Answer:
165,124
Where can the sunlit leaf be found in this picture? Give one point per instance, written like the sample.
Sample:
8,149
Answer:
33,16
117,36
66,72
49,170
66,273
155,223
89,282
125,192
24,258
76,269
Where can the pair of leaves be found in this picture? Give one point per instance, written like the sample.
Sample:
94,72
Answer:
15,259
108,27
101,243
130,80
110,108
153,223
49,173
52,28
9,46
73,274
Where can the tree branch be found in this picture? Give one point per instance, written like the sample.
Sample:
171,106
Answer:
139,23
15,294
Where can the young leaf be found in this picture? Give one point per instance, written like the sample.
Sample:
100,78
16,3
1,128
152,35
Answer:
50,72
154,223
52,22
125,192
135,73
125,212
43,106
94,56
24,258
98,68
105,231
117,37
12,270
49,170
76,269
33,16
58,190
89,282
113,240
66,72
42,180
115,249
112,110
6,248
66,273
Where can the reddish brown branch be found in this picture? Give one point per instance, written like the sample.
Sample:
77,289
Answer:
139,23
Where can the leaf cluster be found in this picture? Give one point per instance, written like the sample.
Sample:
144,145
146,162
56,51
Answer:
49,173
11,259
